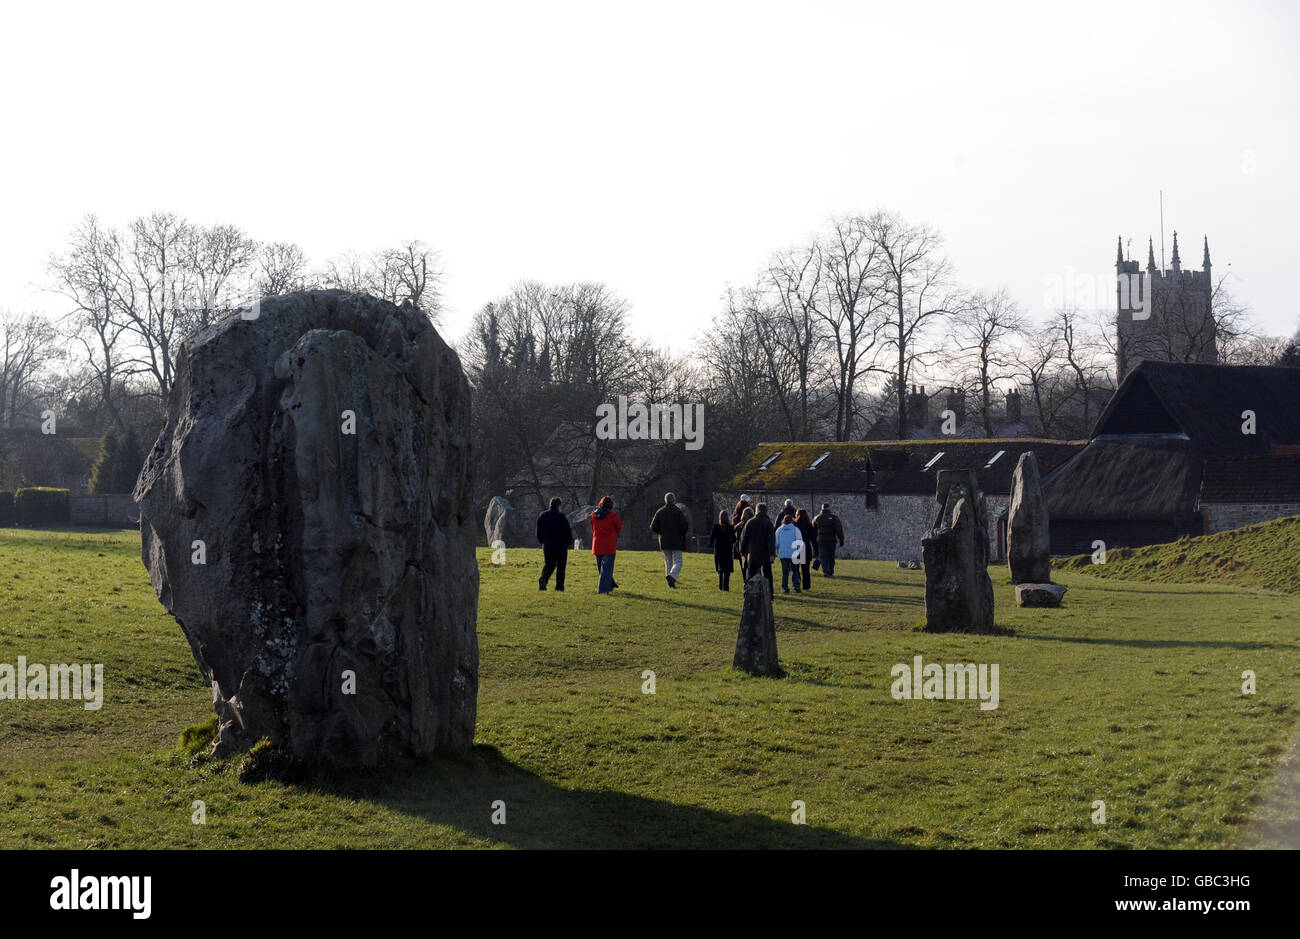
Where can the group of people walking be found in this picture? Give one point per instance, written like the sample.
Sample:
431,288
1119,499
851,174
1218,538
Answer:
555,535
748,535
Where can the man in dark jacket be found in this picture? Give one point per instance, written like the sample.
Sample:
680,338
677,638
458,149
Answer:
758,546
555,535
671,524
830,534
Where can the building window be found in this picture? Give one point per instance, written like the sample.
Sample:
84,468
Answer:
933,460
769,461
817,461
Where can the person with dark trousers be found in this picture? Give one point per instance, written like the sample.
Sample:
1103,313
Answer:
758,547
809,536
830,534
671,525
555,535
605,526
722,539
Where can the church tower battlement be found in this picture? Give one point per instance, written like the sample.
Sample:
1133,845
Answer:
1166,315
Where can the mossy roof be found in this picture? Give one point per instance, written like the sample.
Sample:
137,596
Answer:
898,466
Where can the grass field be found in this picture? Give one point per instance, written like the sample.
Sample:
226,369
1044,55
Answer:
1130,693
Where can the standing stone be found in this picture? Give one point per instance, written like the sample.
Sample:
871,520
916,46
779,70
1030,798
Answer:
498,521
1029,538
958,591
756,642
319,450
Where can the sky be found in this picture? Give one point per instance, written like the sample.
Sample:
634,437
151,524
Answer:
667,149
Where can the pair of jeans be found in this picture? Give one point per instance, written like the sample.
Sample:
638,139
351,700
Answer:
805,575
554,559
672,563
787,567
605,564
826,551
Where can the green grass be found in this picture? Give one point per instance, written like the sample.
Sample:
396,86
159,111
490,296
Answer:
1265,556
1130,693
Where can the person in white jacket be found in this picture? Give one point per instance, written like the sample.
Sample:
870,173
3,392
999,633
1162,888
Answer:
789,548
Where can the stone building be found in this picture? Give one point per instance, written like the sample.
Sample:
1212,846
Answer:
883,491
1182,449
1165,315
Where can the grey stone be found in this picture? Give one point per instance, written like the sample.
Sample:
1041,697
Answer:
958,591
1040,594
499,523
327,553
756,641
1029,539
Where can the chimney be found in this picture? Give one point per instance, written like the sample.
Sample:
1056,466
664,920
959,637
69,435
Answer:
1013,406
918,408
957,404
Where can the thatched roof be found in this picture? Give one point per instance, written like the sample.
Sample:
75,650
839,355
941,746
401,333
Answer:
899,466
1127,480
1205,403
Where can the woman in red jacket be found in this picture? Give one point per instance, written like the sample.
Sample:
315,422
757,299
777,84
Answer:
605,526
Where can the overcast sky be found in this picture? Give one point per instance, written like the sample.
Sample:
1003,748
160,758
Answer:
665,149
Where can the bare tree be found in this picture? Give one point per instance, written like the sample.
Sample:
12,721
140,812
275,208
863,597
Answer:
92,274
408,273
913,284
220,257
281,267
983,325
853,311
27,344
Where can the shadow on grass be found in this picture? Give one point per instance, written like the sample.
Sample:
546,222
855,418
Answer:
1161,643
458,790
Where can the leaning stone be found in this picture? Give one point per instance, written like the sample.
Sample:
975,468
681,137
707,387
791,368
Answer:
756,641
306,515
1040,594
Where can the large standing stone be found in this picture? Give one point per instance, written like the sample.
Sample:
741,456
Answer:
1029,537
756,641
958,591
315,458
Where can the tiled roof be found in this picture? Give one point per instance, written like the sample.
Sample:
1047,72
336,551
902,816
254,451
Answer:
1252,479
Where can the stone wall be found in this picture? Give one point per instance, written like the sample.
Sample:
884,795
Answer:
111,511
1222,516
892,532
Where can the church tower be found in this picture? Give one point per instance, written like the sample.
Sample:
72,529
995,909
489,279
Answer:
1165,315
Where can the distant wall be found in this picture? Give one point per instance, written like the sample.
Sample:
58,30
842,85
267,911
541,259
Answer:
1222,516
891,532
111,511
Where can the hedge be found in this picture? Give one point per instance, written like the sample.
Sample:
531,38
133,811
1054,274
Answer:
6,509
42,505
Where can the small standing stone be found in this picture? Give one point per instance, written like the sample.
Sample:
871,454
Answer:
756,642
1040,594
